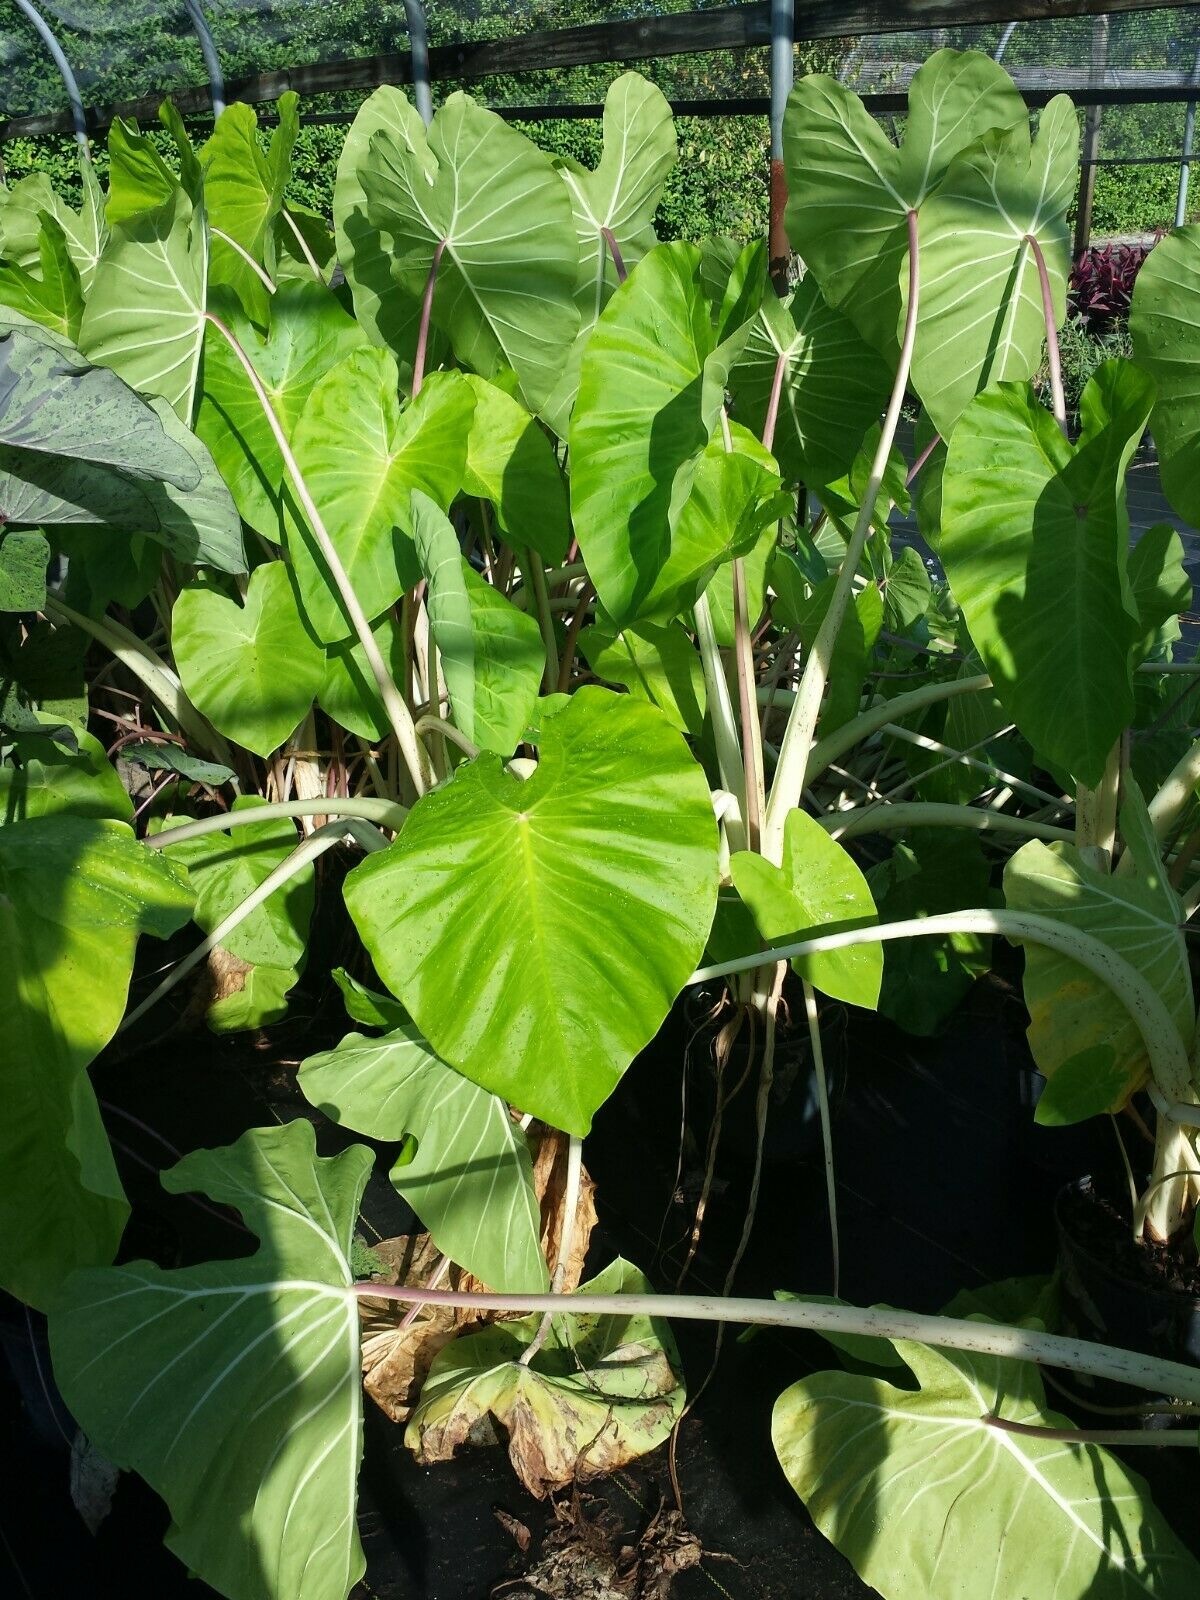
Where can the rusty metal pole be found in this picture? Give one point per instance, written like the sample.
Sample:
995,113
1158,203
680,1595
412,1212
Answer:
782,72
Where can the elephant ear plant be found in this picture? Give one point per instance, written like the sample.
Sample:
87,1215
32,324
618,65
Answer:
547,568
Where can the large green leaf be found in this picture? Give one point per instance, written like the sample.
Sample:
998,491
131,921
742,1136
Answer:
500,216
510,462
492,655
930,1502
1071,1010
362,454
980,319
199,526
386,301
621,195
309,333
234,1387
585,890
75,892
243,194
1164,322
650,394
850,189
224,868
1160,584
145,314
251,669
471,1179
1034,539
601,1391
818,884
833,386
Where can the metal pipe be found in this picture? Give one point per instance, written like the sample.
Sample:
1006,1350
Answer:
1185,158
47,36
418,46
208,49
783,55
1009,29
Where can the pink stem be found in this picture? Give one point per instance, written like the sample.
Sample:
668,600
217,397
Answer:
615,249
1057,397
922,459
426,315
768,437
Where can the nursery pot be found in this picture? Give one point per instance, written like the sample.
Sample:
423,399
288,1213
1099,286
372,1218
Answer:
1108,1299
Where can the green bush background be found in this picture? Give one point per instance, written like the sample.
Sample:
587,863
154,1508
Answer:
720,183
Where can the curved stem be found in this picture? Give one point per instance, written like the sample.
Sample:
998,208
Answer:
150,670
384,812
313,263
531,564
1175,1378
1176,793
720,709
860,820
447,731
263,276
308,850
797,743
1117,1438
1168,1058
843,739
415,757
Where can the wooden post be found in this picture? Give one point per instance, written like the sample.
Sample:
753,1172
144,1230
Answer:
1091,141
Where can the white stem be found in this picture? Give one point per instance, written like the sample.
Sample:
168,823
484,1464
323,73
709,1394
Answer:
1176,1378
725,723
934,814
411,748
794,752
384,812
303,243
1168,1058
259,272
308,850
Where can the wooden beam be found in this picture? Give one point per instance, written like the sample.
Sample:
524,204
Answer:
723,28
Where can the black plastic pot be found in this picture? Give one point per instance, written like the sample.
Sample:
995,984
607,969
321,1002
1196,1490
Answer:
1111,1305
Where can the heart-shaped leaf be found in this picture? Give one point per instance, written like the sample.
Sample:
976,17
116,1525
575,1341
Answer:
234,1387
1070,1010
144,317
251,669
510,463
980,317
850,189
912,1483
650,394
488,205
75,892
480,899
658,664
224,868
471,1179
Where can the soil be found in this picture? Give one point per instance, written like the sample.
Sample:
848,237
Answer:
1098,1226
